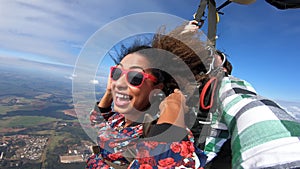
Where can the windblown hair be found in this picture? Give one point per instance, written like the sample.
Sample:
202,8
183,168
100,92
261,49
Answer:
186,46
190,47
137,46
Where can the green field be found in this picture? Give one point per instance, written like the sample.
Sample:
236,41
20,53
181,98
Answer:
33,104
25,121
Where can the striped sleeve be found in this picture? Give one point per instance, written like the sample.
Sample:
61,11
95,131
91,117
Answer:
262,133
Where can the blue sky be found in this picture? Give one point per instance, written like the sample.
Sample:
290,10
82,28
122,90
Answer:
262,42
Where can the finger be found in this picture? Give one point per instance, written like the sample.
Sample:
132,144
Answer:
192,26
194,22
176,90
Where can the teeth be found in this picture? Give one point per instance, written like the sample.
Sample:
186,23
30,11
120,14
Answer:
122,96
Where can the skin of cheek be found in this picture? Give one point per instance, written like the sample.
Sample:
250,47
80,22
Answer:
139,95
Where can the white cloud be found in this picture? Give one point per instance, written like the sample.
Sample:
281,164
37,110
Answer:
71,77
295,108
94,81
55,31
32,26
292,108
58,29
294,111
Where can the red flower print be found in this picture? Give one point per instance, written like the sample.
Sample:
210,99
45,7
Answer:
143,153
145,166
166,163
111,144
186,149
175,147
102,144
147,160
189,145
151,144
115,156
113,133
103,167
103,138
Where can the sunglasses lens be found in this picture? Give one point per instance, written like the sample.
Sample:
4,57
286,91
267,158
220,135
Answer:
135,78
116,73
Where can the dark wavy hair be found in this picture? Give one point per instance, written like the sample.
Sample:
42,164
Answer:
144,48
187,47
196,52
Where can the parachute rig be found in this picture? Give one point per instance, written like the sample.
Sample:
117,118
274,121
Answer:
209,6
213,12
213,15
213,19
206,96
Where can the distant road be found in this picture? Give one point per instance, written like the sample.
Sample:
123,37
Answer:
44,154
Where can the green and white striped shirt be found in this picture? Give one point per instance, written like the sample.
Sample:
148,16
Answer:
262,133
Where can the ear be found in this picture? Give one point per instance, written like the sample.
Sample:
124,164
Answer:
157,94
159,86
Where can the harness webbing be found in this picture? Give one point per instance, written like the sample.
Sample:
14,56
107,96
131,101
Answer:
212,18
212,22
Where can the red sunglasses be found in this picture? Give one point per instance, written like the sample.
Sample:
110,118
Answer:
134,78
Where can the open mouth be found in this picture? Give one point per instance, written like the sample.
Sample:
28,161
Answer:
122,99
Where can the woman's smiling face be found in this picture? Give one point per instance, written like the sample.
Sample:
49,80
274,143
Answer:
128,99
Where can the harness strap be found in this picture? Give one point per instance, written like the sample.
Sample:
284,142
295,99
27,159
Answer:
212,22
212,18
200,11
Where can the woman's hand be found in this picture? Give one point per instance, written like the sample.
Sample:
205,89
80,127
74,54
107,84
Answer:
107,99
192,26
172,109
108,85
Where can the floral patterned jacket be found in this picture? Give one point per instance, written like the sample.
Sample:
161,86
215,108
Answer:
165,147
